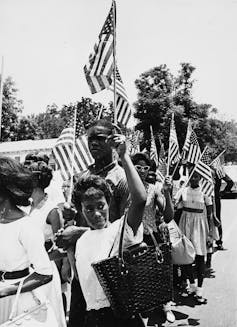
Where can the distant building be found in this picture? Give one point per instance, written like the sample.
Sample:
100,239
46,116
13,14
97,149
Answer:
19,149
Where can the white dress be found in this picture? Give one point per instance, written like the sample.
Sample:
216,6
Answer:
39,216
93,246
194,224
22,245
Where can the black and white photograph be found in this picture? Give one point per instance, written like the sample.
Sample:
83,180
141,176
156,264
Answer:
118,163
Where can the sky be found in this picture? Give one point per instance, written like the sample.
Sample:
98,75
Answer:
46,43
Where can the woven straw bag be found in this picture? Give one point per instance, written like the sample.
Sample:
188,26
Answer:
139,279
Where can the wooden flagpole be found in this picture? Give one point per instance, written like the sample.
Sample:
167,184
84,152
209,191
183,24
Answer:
73,157
1,95
114,59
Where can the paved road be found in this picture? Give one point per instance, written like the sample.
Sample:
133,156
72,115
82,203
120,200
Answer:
220,288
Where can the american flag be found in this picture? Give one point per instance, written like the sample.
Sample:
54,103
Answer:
123,109
204,170
192,148
174,155
134,144
153,149
217,165
162,165
187,139
99,70
63,150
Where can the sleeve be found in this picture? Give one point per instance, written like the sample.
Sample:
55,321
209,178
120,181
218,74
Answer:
32,239
129,237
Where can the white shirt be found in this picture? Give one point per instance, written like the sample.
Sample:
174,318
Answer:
22,244
93,246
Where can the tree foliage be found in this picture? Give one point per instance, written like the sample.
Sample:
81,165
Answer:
11,108
160,94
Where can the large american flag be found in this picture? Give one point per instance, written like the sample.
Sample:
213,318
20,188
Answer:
174,155
99,70
204,170
191,147
63,150
123,109
217,165
162,165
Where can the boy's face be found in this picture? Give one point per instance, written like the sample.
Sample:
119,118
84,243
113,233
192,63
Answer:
97,142
96,212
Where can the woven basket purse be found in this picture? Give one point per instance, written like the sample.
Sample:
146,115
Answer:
139,279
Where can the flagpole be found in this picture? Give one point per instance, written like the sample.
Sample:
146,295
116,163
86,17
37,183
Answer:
1,95
73,156
114,60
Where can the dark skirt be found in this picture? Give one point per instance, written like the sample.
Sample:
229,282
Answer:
106,318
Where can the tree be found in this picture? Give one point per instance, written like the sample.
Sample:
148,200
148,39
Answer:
160,94
27,129
11,108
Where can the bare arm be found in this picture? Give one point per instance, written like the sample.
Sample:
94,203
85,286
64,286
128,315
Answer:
53,219
135,185
30,283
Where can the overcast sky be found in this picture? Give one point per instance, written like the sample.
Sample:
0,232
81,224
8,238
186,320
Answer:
46,43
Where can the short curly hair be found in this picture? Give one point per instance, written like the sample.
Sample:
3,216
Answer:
42,174
90,187
140,156
15,181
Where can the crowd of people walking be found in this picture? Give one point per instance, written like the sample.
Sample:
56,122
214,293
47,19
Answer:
47,247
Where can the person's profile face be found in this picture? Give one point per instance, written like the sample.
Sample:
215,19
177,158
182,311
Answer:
97,141
96,212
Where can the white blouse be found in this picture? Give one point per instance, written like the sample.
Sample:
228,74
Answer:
93,246
22,244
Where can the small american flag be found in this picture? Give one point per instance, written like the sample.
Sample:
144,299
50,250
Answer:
99,70
63,150
174,154
162,165
134,144
193,153
204,170
123,109
217,165
153,149
187,139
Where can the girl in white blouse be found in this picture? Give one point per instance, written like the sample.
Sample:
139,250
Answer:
21,243
91,196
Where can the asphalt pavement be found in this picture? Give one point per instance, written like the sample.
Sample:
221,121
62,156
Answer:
220,285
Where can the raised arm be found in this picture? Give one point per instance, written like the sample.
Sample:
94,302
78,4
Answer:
135,185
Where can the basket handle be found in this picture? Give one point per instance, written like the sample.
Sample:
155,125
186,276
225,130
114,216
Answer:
159,255
120,253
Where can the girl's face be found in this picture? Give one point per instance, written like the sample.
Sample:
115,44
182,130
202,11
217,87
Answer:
96,212
142,169
195,179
